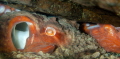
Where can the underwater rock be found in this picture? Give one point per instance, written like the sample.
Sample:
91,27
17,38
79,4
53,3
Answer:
54,7
111,5
69,10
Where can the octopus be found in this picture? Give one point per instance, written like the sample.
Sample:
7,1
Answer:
106,35
29,32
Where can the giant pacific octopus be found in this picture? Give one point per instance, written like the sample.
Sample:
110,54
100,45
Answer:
30,32
106,35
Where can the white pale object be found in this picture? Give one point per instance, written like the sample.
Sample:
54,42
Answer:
20,33
7,10
2,9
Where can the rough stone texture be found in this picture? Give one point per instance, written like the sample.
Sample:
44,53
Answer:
111,5
54,7
27,2
70,10
96,54
85,2
99,16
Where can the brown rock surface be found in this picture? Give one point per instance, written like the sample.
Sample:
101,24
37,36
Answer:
54,7
71,10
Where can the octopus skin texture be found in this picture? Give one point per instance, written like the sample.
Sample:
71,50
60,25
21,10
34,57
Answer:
4,9
106,35
26,32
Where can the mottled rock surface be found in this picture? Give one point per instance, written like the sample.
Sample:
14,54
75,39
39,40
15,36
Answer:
79,10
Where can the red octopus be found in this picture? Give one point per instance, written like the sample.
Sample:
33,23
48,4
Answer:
22,31
106,35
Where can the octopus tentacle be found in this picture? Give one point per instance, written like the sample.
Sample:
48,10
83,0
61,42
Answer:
4,9
106,35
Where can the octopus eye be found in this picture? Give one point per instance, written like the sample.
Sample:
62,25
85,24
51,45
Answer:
20,33
50,31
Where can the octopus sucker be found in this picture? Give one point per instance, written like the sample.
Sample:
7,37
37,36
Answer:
4,9
106,35
50,31
30,32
